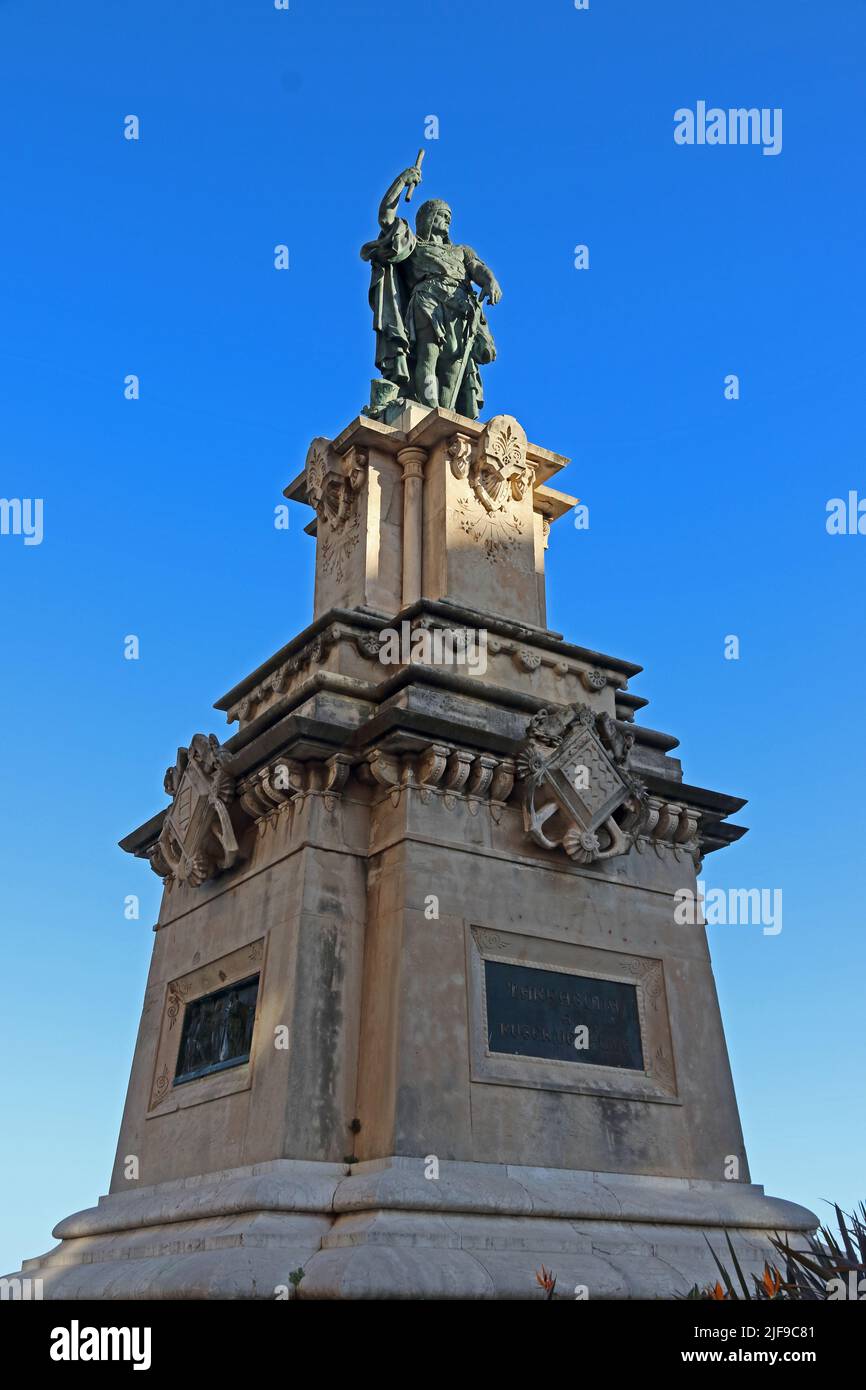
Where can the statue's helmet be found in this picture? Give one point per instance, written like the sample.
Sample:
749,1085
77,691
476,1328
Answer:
426,216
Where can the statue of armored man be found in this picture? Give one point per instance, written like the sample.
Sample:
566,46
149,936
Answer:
431,332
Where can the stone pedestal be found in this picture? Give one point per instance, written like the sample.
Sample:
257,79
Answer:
481,1040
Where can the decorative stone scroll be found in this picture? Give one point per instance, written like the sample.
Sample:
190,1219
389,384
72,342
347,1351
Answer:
579,794
271,792
333,482
452,773
199,839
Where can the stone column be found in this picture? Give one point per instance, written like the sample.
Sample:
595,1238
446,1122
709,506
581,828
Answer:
412,462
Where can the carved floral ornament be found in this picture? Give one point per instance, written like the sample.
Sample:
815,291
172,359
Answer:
498,475
497,470
579,794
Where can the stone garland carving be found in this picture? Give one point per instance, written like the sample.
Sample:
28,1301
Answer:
527,658
313,654
333,482
579,794
497,474
368,643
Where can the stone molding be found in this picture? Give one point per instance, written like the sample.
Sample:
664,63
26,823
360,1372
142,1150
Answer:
368,643
202,979
375,1229
272,792
657,1081
199,837
484,1188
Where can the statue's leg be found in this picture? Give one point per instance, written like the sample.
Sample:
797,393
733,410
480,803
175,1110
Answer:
426,382
449,374
451,360
470,397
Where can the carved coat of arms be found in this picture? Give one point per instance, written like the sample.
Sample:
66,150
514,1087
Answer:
578,792
333,482
197,839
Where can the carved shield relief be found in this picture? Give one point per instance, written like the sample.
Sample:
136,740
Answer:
197,839
574,785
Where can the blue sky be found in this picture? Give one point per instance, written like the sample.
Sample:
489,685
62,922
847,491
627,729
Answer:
155,257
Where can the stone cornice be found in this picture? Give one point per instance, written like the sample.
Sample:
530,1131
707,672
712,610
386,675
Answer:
357,621
356,617
323,754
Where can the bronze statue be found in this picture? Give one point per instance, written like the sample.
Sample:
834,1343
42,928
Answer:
431,332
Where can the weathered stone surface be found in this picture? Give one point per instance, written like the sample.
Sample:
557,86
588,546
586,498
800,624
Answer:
447,508
384,1230
375,839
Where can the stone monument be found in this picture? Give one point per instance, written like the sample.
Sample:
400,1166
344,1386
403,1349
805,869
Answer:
420,1018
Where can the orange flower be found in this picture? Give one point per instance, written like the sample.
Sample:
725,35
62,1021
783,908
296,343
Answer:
771,1280
547,1280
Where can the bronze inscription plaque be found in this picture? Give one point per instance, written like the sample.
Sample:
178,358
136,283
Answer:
562,1017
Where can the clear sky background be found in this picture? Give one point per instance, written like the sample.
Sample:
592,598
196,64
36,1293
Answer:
707,516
